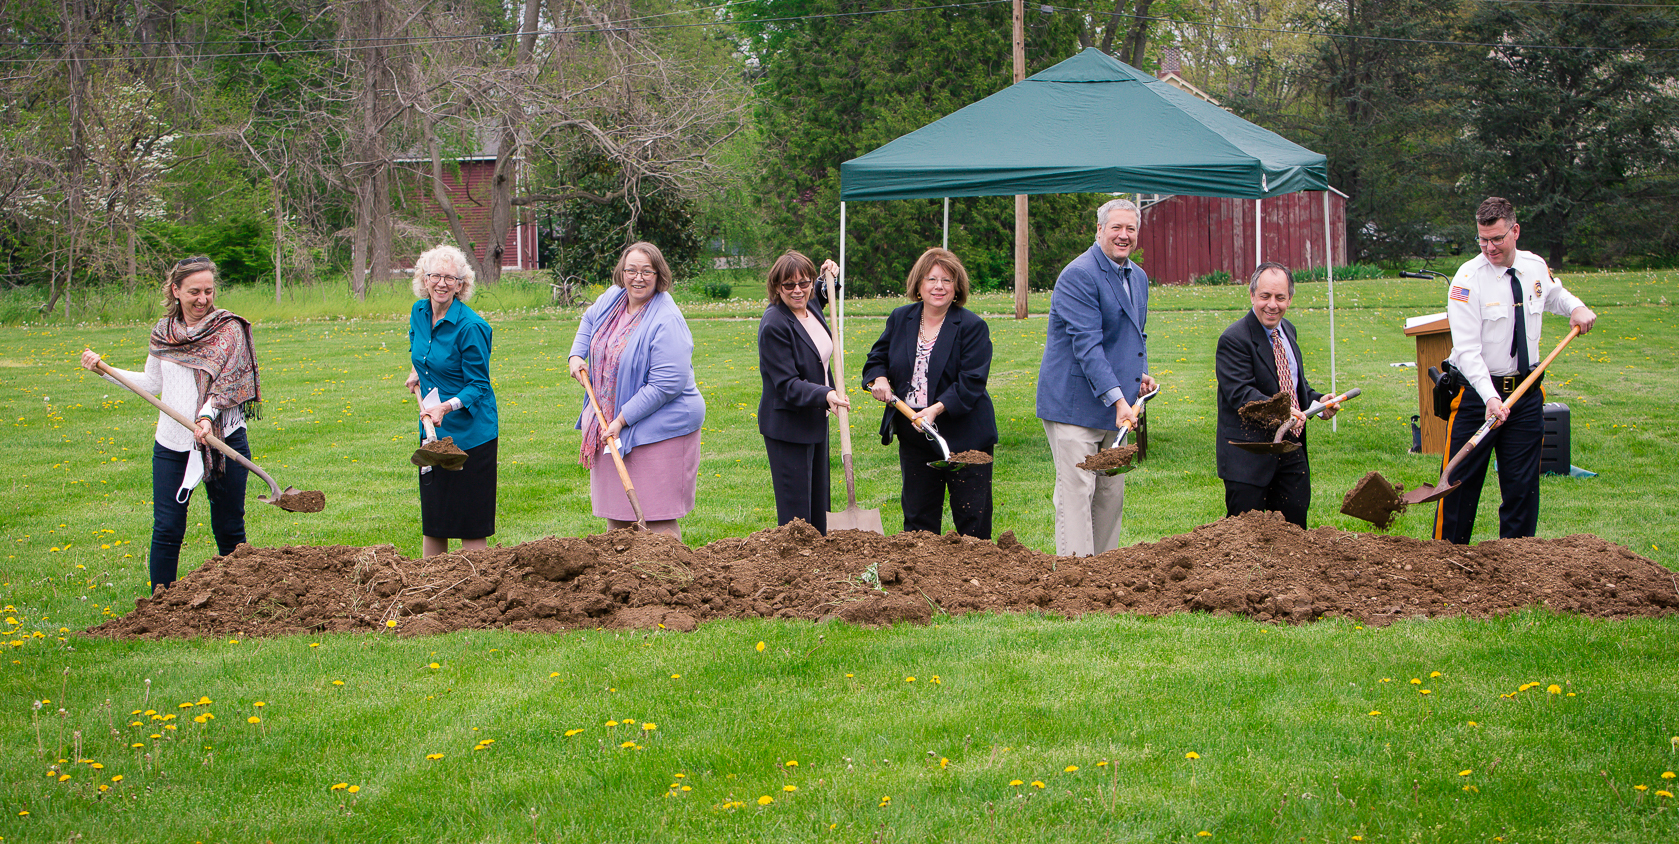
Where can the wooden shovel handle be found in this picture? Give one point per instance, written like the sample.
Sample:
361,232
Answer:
431,432
612,448
1446,473
844,414
273,488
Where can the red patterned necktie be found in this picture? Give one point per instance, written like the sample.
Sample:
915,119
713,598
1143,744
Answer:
1285,376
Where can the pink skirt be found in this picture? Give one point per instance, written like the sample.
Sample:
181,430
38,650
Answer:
664,474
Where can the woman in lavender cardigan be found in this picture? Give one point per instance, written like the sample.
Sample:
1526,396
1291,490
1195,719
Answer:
639,356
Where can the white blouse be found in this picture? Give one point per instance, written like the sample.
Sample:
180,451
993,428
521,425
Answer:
177,387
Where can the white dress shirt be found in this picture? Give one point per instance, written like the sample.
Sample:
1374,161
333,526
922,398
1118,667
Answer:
175,385
1483,318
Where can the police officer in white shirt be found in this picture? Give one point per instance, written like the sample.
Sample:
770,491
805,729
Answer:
1492,295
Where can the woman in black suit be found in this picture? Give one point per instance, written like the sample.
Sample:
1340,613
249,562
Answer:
794,349
935,355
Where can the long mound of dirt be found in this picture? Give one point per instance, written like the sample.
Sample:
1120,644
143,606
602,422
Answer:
1255,565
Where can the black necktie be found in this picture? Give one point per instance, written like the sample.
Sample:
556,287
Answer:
1518,336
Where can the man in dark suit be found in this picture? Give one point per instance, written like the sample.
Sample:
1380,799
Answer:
1257,356
1095,365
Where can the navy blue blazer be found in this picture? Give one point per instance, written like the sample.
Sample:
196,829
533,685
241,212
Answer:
1247,371
1095,342
794,406
956,373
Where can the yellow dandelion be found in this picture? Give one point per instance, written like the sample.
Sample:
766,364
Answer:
1424,692
1433,674
553,674
103,788
353,789
1037,783
117,778
1667,775
1016,782
1474,723
792,763
253,720
760,647
1203,834
338,682
572,732
314,644
1466,772
909,679
1553,689
1357,838
687,788
1374,712
1665,793
765,800
681,776
432,757
97,766
626,745
1634,788
789,788
65,777
884,799
943,763
649,727
676,676
434,666
1069,769
259,704
339,786
612,723
1102,764
205,701
1192,755
1416,681
183,706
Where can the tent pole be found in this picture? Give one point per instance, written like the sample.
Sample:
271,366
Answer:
1329,270
839,307
946,243
1258,223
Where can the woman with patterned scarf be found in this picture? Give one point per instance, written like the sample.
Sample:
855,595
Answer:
202,364
639,356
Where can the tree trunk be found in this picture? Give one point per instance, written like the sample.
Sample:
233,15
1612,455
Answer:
279,234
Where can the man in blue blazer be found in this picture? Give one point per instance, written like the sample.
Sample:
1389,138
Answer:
1095,365
1253,354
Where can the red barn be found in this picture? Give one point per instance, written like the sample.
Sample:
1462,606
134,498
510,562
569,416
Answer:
1184,237
468,184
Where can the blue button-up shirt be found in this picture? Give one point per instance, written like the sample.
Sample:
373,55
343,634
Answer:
454,357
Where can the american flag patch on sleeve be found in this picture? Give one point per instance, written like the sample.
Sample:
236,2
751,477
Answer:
1459,294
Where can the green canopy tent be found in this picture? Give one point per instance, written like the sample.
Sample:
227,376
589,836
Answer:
1090,124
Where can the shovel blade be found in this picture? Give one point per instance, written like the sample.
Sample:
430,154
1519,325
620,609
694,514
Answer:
856,518
1425,493
947,465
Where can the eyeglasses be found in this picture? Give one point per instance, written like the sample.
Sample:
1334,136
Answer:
1495,241
801,284
452,279
196,259
647,273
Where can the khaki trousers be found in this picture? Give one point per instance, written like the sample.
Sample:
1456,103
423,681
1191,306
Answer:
1089,507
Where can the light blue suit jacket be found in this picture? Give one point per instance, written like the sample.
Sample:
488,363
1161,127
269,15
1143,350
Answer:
1096,342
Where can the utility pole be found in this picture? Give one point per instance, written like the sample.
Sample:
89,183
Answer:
1020,252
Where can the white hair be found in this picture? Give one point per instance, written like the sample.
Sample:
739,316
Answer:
444,258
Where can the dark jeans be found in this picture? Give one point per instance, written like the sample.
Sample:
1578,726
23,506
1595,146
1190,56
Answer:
1517,444
169,517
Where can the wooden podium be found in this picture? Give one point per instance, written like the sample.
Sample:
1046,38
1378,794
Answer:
1434,344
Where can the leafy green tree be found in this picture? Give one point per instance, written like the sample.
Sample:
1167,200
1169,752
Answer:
1574,102
843,83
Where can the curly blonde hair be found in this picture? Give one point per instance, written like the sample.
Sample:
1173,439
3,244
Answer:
444,258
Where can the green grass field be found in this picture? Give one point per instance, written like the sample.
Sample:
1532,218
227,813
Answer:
1314,733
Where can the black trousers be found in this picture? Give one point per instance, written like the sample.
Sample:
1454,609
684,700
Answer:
1289,492
925,487
799,474
1516,442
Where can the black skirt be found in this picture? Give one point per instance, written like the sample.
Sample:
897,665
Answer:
461,505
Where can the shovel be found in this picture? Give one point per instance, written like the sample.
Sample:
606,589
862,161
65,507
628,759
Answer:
1277,445
932,433
290,499
612,447
852,517
444,455
1126,429
1425,493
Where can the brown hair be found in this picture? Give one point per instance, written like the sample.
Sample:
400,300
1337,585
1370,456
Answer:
1493,209
183,269
427,263
661,270
791,266
937,257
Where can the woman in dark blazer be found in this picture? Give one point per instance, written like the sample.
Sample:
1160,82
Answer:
936,355
794,350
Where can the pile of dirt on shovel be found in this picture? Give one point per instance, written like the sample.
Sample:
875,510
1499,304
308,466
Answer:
1254,565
